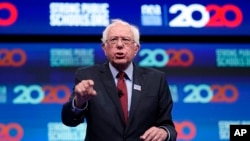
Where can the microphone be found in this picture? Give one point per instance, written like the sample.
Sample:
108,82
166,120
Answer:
120,93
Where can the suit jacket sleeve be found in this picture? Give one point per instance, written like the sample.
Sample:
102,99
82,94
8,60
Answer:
166,105
68,115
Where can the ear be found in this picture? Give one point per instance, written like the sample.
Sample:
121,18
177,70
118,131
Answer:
104,48
137,48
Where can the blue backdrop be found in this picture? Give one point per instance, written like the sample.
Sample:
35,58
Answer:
161,17
209,84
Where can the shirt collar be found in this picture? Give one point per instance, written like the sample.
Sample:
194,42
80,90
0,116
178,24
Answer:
128,71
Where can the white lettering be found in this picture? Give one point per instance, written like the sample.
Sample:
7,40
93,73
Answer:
76,14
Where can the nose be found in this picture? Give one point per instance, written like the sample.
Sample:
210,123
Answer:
120,43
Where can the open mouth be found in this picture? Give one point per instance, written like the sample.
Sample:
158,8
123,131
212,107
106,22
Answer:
120,55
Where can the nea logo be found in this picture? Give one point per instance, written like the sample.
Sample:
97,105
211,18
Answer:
239,132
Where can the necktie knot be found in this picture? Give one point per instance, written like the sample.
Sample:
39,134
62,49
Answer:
121,75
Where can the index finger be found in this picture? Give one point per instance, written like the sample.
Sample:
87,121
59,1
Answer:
90,82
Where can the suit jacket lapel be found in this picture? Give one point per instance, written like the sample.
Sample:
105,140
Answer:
137,90
110,86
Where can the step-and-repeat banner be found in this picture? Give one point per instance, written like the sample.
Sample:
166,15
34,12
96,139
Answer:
161,17
209,83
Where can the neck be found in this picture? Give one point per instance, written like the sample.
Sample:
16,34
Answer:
121,67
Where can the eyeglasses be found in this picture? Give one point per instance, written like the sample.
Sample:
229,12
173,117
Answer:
124,40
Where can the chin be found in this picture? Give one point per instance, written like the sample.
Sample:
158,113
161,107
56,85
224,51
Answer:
120,63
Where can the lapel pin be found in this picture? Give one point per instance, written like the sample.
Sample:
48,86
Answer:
137,87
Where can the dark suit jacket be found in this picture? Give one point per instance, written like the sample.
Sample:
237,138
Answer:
150,106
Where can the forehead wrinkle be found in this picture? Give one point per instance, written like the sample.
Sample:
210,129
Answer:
120,30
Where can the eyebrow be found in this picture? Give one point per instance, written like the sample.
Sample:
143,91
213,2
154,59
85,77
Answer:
120,36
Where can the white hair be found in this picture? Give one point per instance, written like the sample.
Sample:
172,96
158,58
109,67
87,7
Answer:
114,22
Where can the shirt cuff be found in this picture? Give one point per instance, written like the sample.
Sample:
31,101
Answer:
168,138
78,110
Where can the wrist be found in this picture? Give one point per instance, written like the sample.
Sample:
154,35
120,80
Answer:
77,103
79,109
